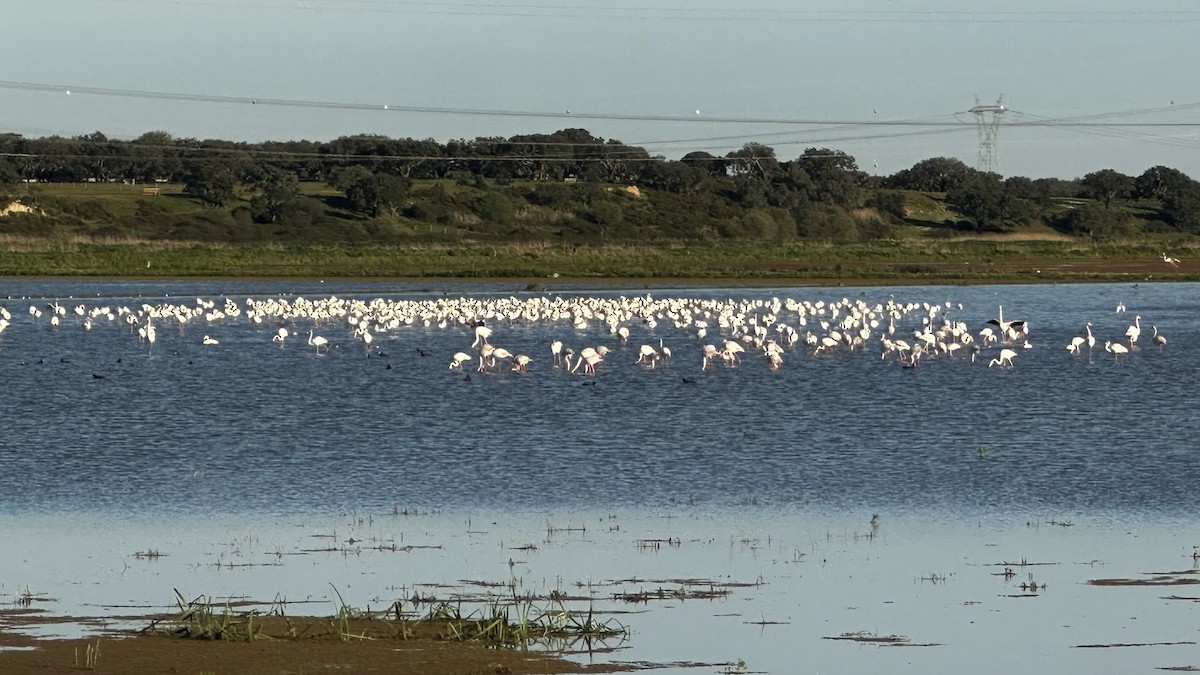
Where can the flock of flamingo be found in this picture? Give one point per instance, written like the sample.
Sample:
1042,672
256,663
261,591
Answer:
712,331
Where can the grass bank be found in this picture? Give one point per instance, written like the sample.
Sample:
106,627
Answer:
903,261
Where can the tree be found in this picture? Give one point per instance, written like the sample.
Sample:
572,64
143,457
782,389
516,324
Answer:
376,194
212,182
889,202
824,222
835,176
985,199
676,177
343,177
1025,188
8,182
753,159
1178,194
1106,185
1094,221
938,174
1182,206
1158,182
277,189
710,164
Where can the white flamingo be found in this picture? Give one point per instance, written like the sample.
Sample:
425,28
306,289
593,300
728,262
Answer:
1005,360
1115,348
647,356
482,333
457,361
1005,326
1159,339
1134,331
316,341
1075,344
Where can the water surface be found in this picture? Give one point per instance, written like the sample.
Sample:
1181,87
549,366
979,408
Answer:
241,452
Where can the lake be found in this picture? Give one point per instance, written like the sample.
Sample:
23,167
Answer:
839,494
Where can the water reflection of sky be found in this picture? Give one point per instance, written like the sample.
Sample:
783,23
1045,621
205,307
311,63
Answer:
934,579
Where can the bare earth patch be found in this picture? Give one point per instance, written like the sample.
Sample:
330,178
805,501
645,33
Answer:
134,652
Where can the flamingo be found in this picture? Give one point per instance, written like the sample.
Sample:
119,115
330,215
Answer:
457,361
485,357
521,363
280,336
1005,360
1115,348
588,357
1159,339
1003,325
499,353
1173,262
647,356
732,349
1134,331
482,333
1075,344
317,341
556,348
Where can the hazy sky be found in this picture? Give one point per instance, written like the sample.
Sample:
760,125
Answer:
706,66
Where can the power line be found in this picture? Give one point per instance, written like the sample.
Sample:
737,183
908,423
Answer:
70,90
676,13
440,110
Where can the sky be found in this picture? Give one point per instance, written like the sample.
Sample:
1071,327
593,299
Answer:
1085,84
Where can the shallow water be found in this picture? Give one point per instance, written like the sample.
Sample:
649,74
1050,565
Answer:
238,453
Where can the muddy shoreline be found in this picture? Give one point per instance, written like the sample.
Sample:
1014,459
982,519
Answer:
141,651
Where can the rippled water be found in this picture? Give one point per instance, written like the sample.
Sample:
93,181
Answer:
109,447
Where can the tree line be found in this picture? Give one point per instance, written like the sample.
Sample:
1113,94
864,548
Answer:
572,182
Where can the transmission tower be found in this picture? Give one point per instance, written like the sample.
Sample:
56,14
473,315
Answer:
987,119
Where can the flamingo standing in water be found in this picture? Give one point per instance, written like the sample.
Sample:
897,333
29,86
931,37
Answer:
1158,339
317,341
1005,326
1115,348
482,333
1075,344
1005,360
1134,331
647,356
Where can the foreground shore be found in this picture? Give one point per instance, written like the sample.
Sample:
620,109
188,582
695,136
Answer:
149,652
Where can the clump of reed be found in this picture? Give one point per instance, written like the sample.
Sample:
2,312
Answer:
506,623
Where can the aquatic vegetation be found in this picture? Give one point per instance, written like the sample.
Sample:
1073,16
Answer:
513,623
